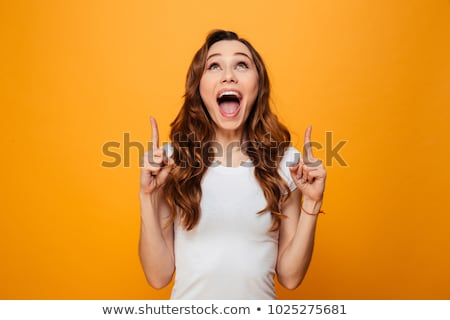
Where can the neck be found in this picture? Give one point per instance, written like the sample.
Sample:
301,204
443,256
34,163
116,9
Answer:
228,137
229,151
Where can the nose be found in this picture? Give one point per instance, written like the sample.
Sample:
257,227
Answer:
229,76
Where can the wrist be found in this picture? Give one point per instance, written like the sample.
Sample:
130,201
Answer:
150,198
150,192
311,207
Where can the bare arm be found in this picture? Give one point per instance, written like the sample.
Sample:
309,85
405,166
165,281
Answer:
296,242
156,241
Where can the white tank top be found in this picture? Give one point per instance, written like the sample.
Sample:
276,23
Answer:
230,254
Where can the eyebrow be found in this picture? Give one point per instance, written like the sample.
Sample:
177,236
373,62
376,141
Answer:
236,54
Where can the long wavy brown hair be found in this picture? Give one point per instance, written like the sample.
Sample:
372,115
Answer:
192,134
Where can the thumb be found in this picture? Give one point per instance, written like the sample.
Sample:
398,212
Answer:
294,172
166,169
293,169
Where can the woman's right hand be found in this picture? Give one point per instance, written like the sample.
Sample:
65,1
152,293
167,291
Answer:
155,166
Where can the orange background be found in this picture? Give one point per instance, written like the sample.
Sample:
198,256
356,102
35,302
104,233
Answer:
77,74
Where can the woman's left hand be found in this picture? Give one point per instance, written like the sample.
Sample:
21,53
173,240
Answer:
309,174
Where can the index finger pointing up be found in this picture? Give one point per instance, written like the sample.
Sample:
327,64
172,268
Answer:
307,150
155,133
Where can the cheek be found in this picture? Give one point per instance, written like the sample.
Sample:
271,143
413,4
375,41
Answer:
202,88
205,88
254,88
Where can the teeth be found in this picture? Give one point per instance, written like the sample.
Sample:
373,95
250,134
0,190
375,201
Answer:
229,93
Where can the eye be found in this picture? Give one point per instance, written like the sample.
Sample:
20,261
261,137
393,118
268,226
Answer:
213,66
242,65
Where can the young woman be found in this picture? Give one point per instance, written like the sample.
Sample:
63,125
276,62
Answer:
228,204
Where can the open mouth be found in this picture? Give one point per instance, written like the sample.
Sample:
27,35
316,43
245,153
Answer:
229,103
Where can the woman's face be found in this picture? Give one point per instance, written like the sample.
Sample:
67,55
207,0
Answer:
229,86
